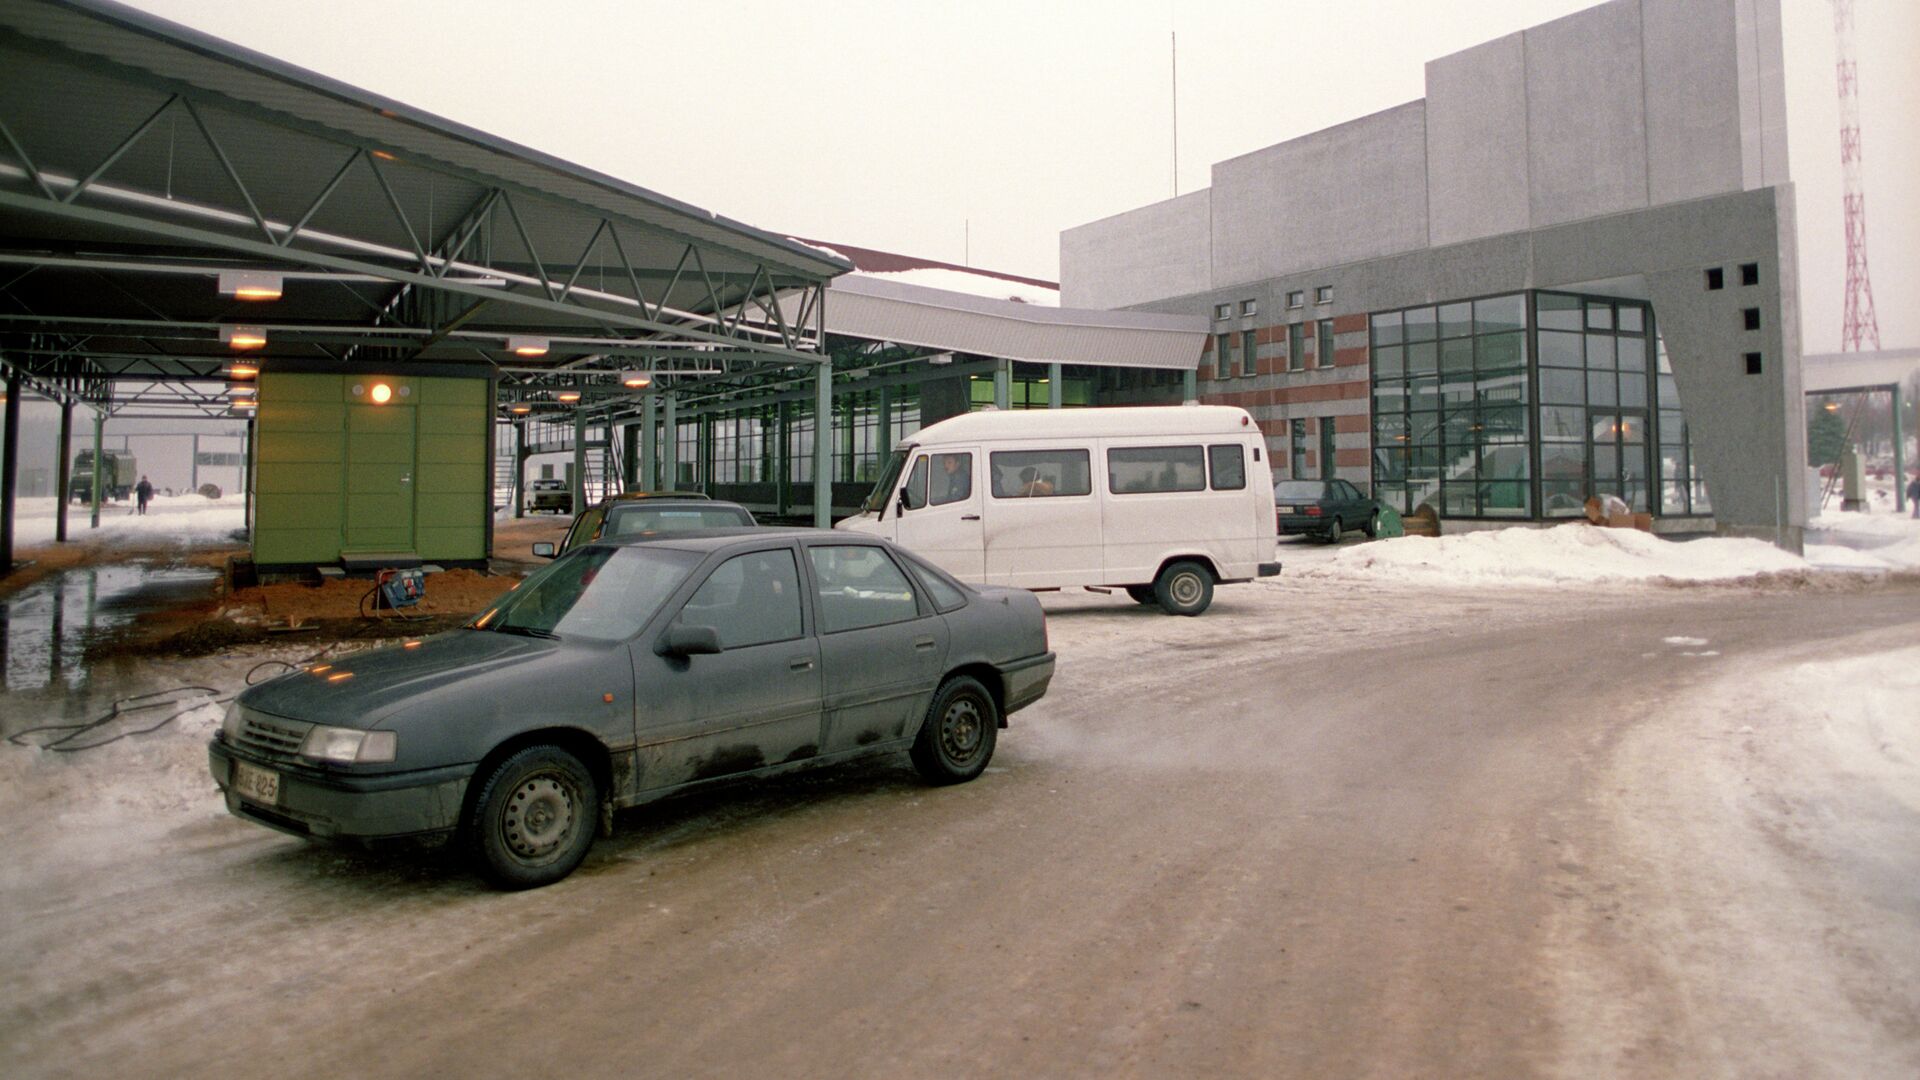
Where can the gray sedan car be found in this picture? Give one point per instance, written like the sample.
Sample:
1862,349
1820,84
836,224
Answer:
629,671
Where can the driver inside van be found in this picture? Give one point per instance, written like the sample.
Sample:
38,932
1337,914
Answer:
956,478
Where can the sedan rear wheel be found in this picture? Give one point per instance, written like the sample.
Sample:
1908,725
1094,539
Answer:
957,738
1334,532
534,818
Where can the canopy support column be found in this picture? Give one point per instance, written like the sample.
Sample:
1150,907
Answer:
1056,394
649,445
1002,384
10,471
63,471
670,446
93,485
823,445
579,460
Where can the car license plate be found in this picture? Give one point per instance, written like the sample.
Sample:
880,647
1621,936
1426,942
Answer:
255,784
1284,509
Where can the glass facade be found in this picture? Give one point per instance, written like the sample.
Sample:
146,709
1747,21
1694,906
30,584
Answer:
1524,405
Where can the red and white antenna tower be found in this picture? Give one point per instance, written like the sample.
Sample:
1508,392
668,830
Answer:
1860,328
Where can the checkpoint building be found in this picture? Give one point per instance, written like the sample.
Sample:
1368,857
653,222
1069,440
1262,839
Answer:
1569,269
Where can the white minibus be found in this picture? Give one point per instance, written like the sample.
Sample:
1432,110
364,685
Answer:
1165,502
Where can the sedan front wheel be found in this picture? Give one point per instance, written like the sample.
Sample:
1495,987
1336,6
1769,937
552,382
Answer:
534,818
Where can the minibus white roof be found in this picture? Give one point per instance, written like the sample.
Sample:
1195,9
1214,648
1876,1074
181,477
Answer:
996,424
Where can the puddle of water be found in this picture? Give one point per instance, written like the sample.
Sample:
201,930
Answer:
46,627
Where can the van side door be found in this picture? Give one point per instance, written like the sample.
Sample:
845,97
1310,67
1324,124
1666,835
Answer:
941,520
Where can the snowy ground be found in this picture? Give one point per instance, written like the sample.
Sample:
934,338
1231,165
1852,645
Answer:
1710,911
170,519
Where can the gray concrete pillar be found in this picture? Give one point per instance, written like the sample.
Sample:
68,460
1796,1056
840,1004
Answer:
579,459
1003,384
1056,393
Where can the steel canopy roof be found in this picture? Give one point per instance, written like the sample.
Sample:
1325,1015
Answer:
140,159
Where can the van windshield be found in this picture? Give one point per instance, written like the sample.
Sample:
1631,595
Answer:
889,477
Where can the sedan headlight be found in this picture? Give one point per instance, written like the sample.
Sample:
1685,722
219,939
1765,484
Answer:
230,723
348,746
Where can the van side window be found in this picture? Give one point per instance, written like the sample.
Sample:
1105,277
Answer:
1028,474
952,478
1229,467
1135,469
916,489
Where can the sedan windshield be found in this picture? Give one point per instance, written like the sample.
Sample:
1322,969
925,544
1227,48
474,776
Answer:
1300,490
605,593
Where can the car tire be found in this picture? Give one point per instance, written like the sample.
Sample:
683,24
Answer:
1334,531
1183,588
1373,526
534,818
1142,594
956,739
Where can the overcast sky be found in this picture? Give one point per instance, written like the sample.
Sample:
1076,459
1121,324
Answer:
893,124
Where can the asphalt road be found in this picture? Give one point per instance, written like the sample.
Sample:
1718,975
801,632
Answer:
1310,834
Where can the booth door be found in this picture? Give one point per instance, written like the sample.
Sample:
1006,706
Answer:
380,445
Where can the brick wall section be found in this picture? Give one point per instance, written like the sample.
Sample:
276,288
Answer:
1336,389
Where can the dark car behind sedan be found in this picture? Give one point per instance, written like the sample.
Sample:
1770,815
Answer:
644,514
629,671
1327,509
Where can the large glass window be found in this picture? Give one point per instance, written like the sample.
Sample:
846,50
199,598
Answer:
1450,392
1463,421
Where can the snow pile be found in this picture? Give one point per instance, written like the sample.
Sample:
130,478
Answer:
1566,554
169,518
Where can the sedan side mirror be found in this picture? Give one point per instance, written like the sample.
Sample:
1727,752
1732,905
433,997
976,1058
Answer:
684,641
543,549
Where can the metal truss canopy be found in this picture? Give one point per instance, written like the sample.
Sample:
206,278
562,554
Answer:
140,161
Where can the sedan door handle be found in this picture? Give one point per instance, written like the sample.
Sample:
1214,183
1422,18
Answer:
803,663
969,517
923,644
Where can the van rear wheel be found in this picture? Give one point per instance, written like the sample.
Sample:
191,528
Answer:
1184,588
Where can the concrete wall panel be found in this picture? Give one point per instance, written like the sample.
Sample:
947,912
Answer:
1159,250
1692,99
1586,134
1355,191
1477,142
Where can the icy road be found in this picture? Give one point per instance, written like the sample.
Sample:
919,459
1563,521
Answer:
1325,830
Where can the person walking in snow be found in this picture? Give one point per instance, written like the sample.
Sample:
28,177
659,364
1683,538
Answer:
143,493
1913,493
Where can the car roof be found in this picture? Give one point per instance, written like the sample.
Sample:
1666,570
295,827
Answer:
714,539
638,496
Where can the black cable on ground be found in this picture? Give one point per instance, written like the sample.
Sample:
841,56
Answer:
122,707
